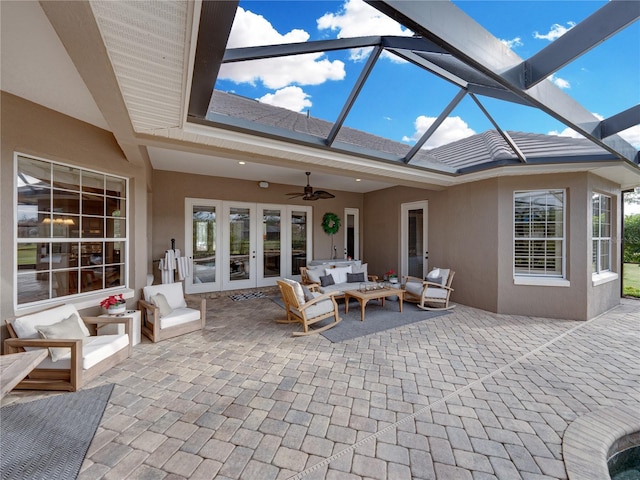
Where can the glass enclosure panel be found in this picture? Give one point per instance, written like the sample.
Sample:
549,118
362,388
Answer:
93,182
239,243
415,246
272,237
204,244
298,242
33,286
65,177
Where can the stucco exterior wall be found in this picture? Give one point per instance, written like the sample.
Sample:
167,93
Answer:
171,189
35,130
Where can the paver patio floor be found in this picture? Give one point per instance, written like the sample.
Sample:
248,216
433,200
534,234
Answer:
469,395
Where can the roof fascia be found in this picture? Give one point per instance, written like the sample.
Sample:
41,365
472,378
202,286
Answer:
267,131
449,27
595,29
551,161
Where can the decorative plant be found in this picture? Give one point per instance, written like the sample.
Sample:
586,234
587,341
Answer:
391,274
112,301
331,225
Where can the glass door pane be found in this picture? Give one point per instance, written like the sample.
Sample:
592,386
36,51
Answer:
240,254
300,243
271,245
202,232
414,239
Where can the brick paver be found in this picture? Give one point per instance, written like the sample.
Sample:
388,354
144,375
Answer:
469,395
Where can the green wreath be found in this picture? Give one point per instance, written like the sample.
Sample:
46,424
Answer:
330,223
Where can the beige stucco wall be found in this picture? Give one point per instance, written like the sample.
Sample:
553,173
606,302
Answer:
171,189
35,130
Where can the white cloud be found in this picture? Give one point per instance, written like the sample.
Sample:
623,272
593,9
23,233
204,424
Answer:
632,135
250,29
291,98
560,82
359,19
554,32
452,129
513,43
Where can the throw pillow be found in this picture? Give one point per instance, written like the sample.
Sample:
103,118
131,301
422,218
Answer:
308,294
68,329
297,290
360,269
327,280
314,274
161,302
339,274
355,277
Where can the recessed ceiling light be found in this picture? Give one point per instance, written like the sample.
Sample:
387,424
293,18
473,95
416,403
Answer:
241,163
357,179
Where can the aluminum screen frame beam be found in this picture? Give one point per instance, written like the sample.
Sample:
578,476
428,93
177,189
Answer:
446,25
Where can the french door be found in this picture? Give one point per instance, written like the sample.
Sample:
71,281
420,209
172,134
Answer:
237,245
414,245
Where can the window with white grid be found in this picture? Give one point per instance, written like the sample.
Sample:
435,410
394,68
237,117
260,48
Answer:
539,233
601,236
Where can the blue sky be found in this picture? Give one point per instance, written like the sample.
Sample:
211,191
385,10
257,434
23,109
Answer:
399,101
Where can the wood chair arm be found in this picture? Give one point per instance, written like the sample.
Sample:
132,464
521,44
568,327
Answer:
13,343
437,285
409,278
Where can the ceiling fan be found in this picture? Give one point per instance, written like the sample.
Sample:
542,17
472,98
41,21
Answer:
309,194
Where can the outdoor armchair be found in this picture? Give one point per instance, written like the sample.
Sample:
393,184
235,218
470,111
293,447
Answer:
432,293
307,310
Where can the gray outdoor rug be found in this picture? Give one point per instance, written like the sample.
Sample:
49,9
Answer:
376,318
49,438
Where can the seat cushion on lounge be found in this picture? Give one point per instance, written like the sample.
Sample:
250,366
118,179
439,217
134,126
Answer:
25,326
67,329
314,274
177,317
339,289
414,288
316,310
94,350
172,292
434,292
361,269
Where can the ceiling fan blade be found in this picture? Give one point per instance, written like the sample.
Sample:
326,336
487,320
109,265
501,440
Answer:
311,198
324,195
296,194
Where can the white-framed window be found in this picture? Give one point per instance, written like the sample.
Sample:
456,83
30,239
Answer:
539,234
601,236
70,231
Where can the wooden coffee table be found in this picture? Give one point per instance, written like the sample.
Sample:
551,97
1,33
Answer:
15,366
364,296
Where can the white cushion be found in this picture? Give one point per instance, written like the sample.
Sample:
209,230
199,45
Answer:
68,329
341,288
435,292
94,350
414,288
177,317
160,301
297,289
316,310
25,326
442,273
339,274
172,292
314,274
361,269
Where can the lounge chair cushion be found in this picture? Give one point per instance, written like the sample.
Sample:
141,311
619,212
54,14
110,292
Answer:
25,326
297,289
435,292
94,350
178,316
415,288
320,308
171,291
69,328
438,275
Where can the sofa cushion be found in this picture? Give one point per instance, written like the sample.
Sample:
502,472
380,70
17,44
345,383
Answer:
94,350
361,269
25,326
177,317
339,274
68,329
327,280
160,301
172,292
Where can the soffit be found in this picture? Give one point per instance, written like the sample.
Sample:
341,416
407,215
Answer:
148,46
